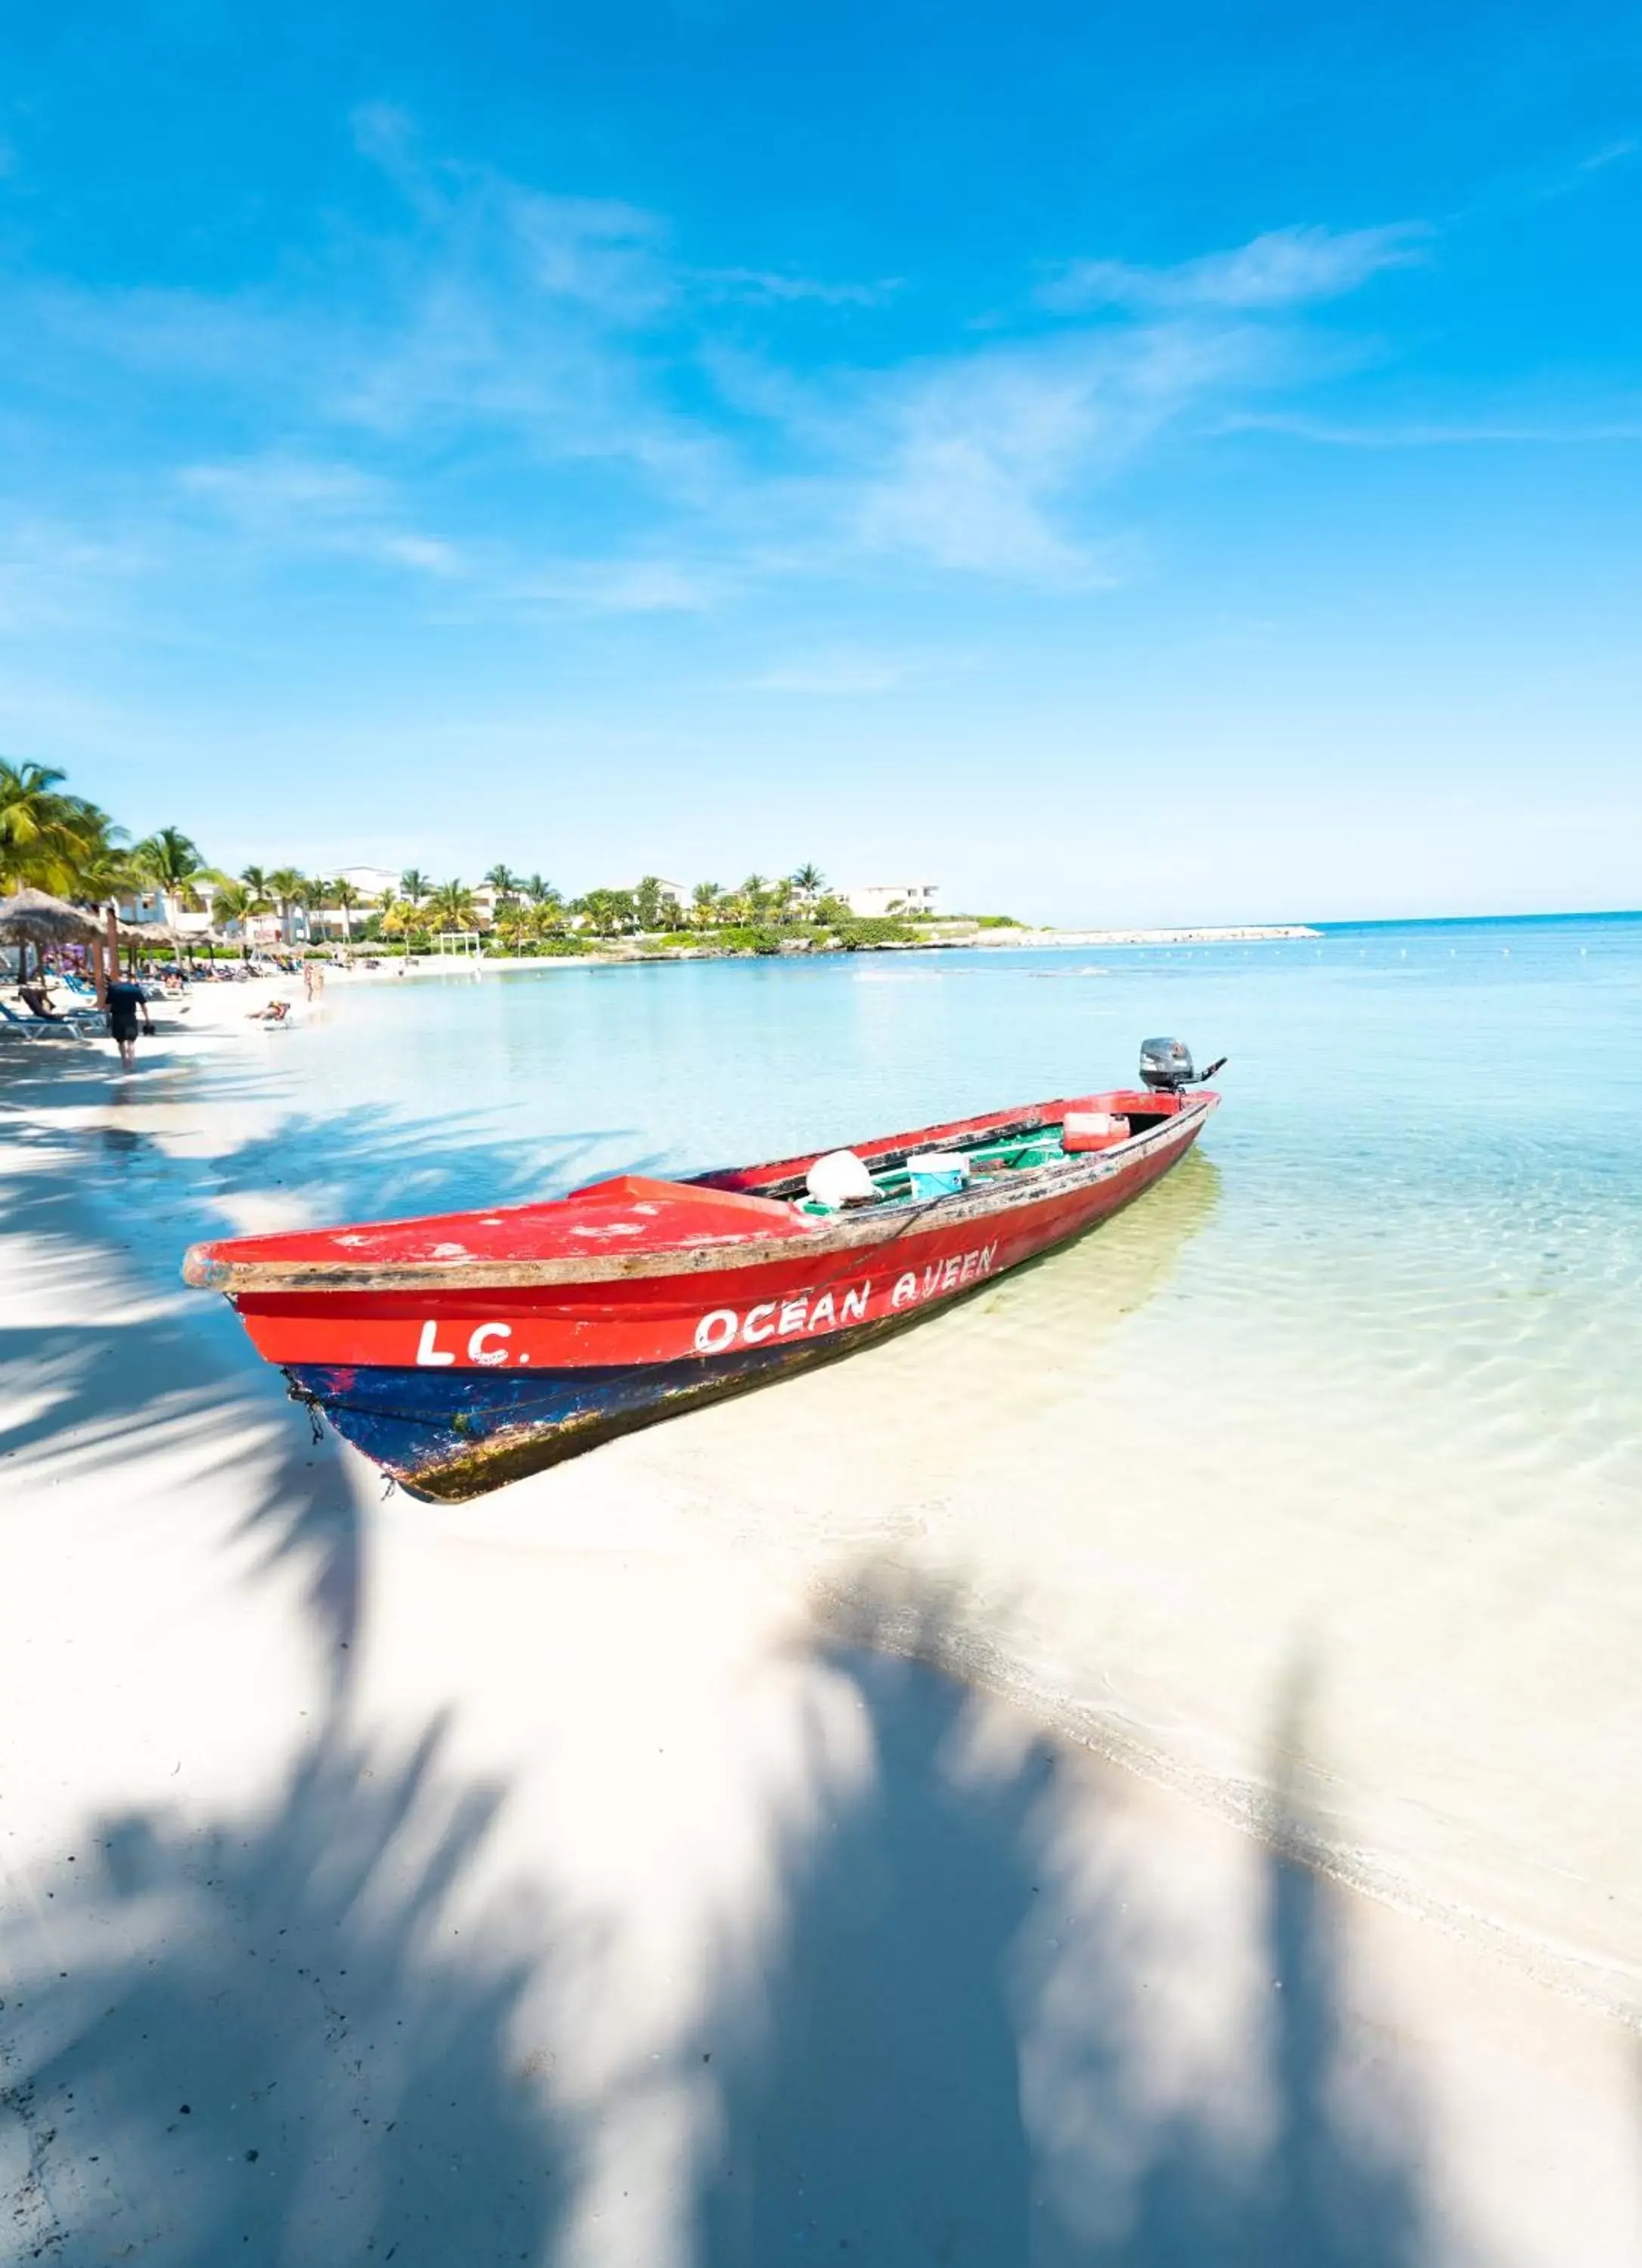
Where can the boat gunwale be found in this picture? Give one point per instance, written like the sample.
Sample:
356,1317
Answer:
848,1231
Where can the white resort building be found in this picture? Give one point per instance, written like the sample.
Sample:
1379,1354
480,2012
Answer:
370,881
144,907
673,894
874,900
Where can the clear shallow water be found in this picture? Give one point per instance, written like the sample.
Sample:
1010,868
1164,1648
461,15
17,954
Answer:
1354,1401
1436,1129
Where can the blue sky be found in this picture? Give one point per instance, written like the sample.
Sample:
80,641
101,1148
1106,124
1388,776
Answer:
1135,464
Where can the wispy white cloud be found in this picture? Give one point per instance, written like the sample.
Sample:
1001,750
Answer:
1482,433
652,457
387,136
1539,180
600,253
507,310
1287,268
296,504
55,576
984,462
604,255
282,488
168,337
427,555
1612,153
755,284
618,587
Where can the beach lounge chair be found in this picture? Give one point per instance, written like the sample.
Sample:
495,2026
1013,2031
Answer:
41,1028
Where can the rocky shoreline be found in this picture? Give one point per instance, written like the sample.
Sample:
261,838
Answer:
621,951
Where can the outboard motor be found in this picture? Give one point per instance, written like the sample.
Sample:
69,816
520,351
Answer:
1166,1066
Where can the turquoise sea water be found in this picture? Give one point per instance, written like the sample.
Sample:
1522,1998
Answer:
1438,1055
1439,1125
1355,1398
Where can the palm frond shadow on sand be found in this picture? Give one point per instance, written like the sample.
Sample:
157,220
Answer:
882,2099
181,1376
103,1395
364,2051
272,2044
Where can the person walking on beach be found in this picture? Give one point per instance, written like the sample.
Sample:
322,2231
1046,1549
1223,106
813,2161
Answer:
126,1007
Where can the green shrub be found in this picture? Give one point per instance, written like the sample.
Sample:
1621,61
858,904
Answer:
872,930
748,937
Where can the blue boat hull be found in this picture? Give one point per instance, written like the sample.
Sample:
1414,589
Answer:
449,1435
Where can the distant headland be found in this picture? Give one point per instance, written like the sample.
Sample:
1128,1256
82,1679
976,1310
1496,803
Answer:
164,886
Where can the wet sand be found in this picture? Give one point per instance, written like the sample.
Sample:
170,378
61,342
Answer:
599,1873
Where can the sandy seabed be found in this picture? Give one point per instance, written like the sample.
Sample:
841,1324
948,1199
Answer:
698,1855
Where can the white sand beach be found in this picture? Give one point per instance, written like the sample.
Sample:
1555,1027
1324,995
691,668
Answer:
602,1875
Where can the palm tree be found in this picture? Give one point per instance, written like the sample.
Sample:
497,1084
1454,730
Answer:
515,925
44,836
286,887
321,898
504,882
610,912
540,892
705,904
248,896
344,895
450,907
263,898
170,861
809,882
650,906
232,902
305,899
106,873
415,885
315,899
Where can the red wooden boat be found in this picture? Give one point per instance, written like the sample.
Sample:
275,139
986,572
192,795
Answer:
462,1350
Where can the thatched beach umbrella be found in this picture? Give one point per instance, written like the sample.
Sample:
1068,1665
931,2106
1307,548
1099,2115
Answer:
156,937
35,917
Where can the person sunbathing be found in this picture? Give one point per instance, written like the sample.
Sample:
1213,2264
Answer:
36,1000
275,1013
